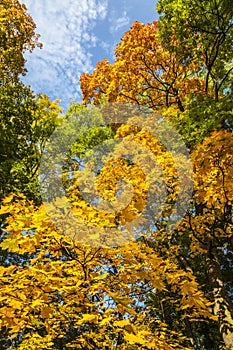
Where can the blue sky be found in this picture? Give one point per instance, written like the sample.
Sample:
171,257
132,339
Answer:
76,34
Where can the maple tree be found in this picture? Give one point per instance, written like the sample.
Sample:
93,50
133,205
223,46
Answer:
166,67
144,72
74,295
197,38
211,227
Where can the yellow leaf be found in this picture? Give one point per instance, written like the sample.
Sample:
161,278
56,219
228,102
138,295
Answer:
105,320
121,323
134,339
89,318
45,311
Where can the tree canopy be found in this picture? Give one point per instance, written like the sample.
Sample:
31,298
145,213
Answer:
165,282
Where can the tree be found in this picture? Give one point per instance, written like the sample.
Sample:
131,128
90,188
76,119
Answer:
144,73
26,120
201,32
73,294
211,226
189,47
17,34
169,73
26,123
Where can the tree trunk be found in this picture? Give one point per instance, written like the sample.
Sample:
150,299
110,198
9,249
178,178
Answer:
222,307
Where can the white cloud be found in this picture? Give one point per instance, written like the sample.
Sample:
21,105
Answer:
66,29
120,22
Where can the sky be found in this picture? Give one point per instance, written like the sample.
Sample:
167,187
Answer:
76,34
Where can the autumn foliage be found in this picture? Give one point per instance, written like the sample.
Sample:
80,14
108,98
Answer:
165,288
144,72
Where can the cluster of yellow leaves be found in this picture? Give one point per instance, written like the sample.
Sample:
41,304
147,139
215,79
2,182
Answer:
163,157
96,292
143,73
151,168
214,168
211,216
213,164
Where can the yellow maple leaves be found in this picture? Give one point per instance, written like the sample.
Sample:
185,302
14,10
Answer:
101,289
144,73
93,287
214,171
213,164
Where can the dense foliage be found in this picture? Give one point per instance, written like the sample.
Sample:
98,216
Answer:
167,289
